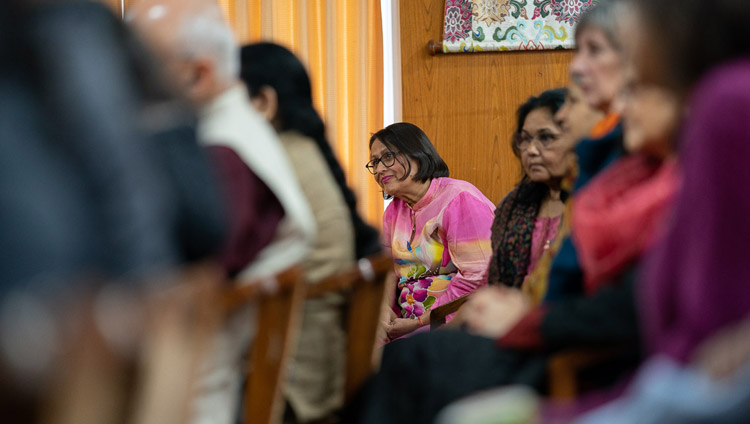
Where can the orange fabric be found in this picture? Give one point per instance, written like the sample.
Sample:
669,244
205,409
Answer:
605,126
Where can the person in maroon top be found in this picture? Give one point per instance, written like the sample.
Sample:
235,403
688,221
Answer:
254,212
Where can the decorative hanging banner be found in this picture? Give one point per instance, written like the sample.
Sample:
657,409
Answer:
500,25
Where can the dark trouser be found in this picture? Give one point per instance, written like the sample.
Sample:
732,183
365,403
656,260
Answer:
420,375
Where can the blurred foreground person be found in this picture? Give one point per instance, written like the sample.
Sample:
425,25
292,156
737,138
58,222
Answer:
280,89
271,227
527,219
694,290
599,69
93,200
202,59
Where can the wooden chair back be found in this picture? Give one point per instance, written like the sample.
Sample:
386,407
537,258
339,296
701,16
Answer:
365,286
564,368
279,303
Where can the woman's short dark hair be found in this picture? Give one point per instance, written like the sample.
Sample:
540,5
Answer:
409,140
694,36
551,100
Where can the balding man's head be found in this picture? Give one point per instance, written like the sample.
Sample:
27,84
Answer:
195,42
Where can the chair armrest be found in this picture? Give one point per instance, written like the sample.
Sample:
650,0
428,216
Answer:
437,315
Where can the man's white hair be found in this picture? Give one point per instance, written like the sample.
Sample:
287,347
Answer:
208,35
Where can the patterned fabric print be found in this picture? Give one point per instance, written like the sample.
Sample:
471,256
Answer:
449,252
568,11
535,286
490,11
512,232
500,25
421,286
457,20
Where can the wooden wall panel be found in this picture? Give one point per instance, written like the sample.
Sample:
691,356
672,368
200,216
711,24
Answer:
466,103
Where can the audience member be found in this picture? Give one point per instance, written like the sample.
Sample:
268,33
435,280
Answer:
599,68
93,157
200,53
280,89
436,228
527,219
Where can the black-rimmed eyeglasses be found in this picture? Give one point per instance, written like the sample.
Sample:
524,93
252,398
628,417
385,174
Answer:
523,139
387,159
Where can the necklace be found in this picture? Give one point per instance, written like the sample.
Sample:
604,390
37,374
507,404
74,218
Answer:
546,233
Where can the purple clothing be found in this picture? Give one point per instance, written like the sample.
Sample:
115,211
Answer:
254,211
697,279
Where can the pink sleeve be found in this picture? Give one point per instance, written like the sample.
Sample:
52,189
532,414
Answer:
467,226
387,233
386,241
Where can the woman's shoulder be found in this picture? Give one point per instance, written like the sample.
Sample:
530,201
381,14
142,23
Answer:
510,196
452,185
525,192
451,189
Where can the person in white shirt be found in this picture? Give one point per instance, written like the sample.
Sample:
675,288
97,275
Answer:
201,56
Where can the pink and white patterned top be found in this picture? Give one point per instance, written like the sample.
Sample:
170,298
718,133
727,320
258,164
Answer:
440,247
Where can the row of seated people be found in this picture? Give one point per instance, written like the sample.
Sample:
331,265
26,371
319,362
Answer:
631,247
567,241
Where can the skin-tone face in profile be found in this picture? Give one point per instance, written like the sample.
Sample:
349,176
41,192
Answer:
598,66
267,103
159,23
576,118
651,112
544,159
650,118
642,50
389,178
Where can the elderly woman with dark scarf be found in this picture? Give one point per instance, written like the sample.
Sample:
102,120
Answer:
527,219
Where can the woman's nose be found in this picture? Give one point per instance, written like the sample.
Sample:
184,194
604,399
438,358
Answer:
532,149
562,115
578,65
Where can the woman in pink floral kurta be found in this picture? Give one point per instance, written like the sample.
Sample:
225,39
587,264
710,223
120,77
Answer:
437,228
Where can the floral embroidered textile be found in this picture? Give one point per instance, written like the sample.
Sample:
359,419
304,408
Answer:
499,25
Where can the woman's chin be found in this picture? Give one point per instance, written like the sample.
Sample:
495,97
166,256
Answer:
539,177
